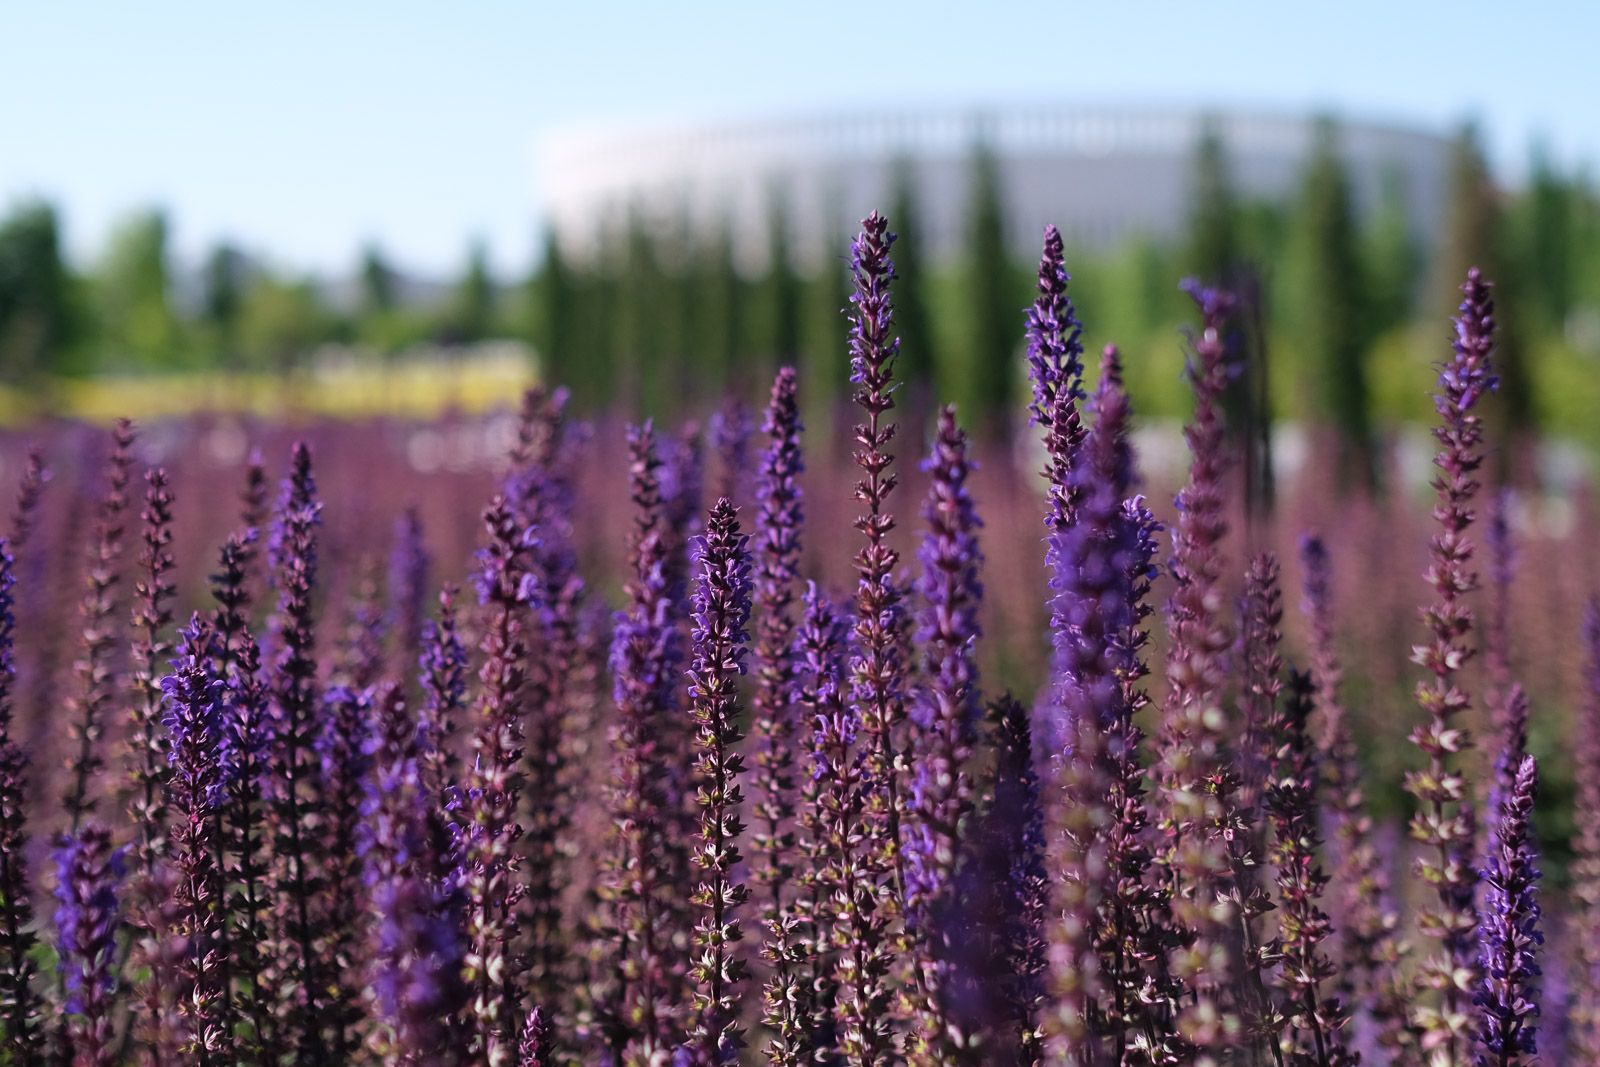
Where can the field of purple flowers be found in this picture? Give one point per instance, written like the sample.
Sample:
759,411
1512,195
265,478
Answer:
660,758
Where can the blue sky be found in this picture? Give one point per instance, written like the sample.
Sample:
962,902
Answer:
303,130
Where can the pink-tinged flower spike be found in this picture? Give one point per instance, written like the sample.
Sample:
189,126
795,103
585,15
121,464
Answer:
346,759
194,722
776,565
296,878
444,695
248,741
1508,997
1585,869
946,713
721,614
1368,950
1444,820
1315,1017
152,615
1194,726
634,998
1513,745
1055,364
88,919
853,866
538,1045
97,614
254,515
492,795
878,666
20,1004
1497,627
30,489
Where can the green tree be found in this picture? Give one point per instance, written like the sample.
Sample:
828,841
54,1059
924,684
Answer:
280,322
221,299
996,296
379,283
1391,260
782,289
132,292
36,318
1326,324
557,323
1547,229
472,308
727,298
1212,251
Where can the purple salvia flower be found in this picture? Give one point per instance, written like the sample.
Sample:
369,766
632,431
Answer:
1444,823
1513,739
777,563
89,875
1193,724
25,515
731,428
20,1005
879,664
293,679
247,738
852,869
345,758
194,722
493,790
1016,881
646,662
1369,952
1585,870
1497,627
253,514
1315,1017
409,564
721,615
946,713
359,661
420,947
1055,365
97,614
1508,997
557,592
444,694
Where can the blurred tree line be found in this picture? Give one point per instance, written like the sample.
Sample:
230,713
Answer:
1347,310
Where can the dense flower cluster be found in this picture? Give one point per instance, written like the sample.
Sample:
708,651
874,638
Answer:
348,814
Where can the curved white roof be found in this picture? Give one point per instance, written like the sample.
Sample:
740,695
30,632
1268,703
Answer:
1101,174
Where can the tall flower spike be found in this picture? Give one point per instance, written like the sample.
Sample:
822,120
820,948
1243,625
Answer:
98,612
731,429
19,1003
444,695
721,613
493,791
195,728
1497,628
345,757
777,563
1444,820
646,661
1368,950
408,588
1055,363
878,666
852,867
537,1047
946,712
293,679
152,615
1508,997
1586,849
88,917
29,490
1194,725
1315,1017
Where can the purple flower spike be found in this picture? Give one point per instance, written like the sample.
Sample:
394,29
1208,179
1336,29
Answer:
1444,823
1055,364
89,875
444,695
537,1048
946,714
1508,1000
409,564
878,667
152,616
721,613
19,1002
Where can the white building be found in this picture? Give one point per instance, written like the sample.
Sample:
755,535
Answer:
1101,174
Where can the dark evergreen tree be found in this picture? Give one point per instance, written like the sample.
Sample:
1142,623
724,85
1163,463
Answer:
783,290
919,359
35,293
997,296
